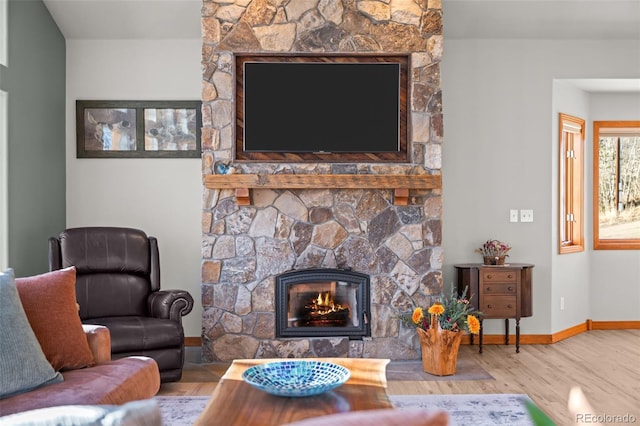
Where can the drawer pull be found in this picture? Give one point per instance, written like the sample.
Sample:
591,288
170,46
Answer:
489,276
510,288
489,306
488,288
509,306
509,276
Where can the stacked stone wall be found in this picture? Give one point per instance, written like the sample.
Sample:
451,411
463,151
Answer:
245,247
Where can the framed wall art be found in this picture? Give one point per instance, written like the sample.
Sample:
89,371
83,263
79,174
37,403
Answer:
136,129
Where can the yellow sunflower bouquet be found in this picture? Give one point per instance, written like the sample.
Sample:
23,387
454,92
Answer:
452,313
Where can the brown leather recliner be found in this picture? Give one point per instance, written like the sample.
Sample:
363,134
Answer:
118,286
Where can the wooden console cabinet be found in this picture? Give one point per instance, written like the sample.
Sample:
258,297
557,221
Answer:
498,292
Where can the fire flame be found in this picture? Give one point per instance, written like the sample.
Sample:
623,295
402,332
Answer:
324,304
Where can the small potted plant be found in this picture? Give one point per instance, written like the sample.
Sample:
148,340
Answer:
494,252
440,329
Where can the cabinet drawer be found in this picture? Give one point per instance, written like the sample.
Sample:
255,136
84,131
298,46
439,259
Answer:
498,306
499,288
498,276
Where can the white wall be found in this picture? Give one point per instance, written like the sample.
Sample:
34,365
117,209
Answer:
498,154
615,274
569,272
163,197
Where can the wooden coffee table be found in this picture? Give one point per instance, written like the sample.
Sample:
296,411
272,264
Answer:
235,402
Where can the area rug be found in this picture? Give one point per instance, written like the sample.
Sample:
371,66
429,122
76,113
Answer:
181,410
467,368
463,409
469,409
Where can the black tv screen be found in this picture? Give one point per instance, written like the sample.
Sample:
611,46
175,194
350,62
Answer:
321,107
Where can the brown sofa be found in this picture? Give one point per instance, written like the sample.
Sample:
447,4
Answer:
108,382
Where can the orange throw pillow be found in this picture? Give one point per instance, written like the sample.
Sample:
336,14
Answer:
49,300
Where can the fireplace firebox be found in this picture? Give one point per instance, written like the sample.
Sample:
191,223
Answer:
322,303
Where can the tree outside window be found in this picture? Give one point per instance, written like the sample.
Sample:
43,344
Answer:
616,177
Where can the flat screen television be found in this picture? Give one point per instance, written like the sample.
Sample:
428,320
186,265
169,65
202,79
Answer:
319,108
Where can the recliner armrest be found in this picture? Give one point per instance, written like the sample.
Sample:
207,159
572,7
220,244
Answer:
99,339
170,304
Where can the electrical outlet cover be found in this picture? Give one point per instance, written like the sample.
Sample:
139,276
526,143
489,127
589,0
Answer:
526,215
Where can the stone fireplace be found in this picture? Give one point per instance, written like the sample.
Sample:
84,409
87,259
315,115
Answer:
323,302
247,245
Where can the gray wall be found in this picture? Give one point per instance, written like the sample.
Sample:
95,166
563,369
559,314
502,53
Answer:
570,272
500,153
615,274
35,82
161,196
598,284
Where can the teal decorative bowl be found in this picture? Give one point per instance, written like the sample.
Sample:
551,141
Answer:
296,377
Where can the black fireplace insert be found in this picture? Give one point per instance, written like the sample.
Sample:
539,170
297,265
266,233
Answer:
322,303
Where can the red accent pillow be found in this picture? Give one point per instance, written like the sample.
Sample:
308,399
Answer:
49,300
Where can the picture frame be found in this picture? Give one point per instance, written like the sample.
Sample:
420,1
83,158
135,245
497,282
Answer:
138,129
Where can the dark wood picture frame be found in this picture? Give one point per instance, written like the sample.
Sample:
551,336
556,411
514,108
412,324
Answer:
403,155
138,129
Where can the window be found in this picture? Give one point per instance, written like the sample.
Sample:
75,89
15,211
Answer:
616,185
571,185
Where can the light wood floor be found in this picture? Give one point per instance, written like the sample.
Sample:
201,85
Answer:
605,364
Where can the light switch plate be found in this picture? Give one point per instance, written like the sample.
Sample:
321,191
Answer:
513,215
526,215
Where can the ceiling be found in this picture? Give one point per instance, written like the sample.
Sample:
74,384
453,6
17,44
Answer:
530,19
542,19
463,19
127,19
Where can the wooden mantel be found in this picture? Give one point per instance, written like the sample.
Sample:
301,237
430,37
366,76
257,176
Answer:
401,184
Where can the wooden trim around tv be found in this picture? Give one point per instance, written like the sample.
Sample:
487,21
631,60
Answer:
400,156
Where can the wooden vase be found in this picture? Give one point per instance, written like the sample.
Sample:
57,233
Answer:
439,350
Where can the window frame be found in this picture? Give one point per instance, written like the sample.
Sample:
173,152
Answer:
611,243
570,184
